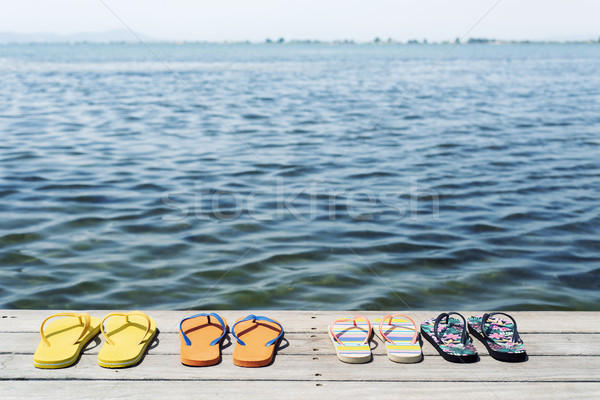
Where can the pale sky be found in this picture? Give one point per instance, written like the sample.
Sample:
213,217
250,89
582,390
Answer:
256,20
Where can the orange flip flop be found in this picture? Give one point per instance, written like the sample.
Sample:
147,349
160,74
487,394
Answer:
261,336
201,339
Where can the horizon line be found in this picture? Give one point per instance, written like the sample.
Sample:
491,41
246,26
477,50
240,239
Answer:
281,41
128,36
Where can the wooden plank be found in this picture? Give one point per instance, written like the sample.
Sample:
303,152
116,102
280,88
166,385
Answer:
308,321
328,368
318,343
564,349
130,390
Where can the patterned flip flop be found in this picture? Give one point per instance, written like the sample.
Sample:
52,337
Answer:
450,338
350,336
401,337
499,336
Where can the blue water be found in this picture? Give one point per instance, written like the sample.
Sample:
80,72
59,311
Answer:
300,176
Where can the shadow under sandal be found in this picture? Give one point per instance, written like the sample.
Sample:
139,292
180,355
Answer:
201,339
499,336
260,338
450,338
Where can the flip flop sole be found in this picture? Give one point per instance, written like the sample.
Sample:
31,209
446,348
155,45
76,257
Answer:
255,353
405,359
352,354
200,363
132,362
447,356
69,362
61,357
129,339
256,363
402,351
200,353
499,355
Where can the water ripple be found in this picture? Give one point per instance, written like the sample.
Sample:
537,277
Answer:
276,184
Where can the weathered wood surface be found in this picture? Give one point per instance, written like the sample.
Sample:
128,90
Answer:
564,350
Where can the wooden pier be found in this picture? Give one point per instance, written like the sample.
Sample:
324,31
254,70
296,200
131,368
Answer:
563,348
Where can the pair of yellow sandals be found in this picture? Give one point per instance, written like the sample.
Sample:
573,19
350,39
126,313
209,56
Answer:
127,336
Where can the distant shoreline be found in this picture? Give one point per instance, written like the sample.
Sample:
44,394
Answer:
279,42
121,36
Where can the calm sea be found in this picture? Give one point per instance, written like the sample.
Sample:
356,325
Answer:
300,176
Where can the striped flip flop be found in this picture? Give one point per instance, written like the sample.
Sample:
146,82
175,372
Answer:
401,337
350,336
499,335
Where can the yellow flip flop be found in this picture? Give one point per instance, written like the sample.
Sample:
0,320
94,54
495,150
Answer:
127,338
64,339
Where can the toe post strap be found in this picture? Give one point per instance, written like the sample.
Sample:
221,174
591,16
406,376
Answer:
126,315
255,319
353,320
391,318
463,334
84,318
187,340
485,318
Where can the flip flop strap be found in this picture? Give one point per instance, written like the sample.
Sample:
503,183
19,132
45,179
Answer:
463,335
356,318
86,325
255,318
217,340
486,316
391,318
126,315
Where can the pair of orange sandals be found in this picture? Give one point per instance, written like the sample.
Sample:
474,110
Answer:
127,336
202,334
